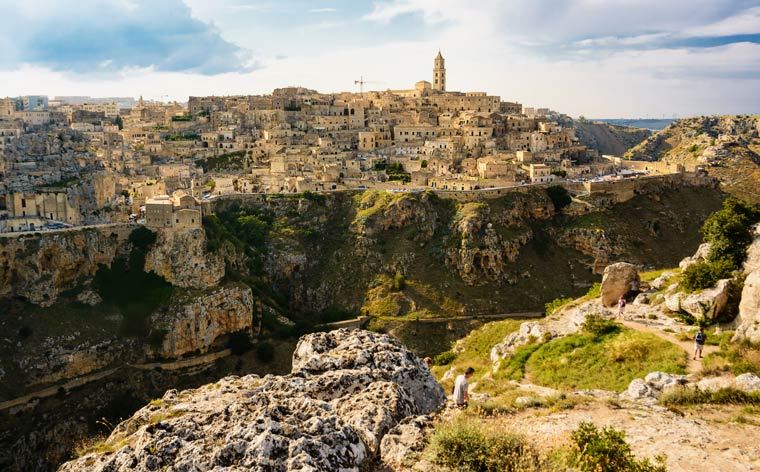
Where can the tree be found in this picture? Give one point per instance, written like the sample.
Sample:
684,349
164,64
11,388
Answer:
729,232
424,164
119,122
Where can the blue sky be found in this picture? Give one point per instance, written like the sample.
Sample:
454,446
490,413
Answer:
600,58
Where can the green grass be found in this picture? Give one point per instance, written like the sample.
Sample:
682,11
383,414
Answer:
476,348
610,361
735,357
694,396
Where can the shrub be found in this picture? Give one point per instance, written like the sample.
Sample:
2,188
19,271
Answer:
469,446
399,282
729,231
603,450
705,274
556,304
444,358
559,196
598,326
264,351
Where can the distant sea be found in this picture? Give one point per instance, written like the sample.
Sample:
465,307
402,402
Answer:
649,123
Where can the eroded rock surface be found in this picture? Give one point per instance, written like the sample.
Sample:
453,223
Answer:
347,390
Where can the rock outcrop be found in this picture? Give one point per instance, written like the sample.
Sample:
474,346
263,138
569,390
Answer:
618,279
748,321
196,324
699,256
708,304
180,257
40,267
347,390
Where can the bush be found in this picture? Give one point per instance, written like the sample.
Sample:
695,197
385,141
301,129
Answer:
594,291
625,348
598,326
444,358
470,446
399,282
559,196
729,231
605,450
264,351
556,304
704,275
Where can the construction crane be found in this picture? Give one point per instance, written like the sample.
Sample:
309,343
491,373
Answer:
361,83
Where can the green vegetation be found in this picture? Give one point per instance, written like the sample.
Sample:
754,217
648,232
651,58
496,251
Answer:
182,136
228,161
559,196
119,122
729,232
693,396
735,357
399,282
66,182
134,292
395,171
471,446
475,349
554,305
185,117
603,450
604,356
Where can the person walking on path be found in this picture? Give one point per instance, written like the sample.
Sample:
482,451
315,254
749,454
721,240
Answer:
621,306
699,343
461,386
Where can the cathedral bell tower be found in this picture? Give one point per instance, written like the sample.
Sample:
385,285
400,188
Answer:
439,73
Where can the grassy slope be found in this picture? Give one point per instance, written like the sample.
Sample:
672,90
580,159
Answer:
608,362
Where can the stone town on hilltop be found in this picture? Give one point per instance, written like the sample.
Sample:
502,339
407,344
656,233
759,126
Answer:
79,160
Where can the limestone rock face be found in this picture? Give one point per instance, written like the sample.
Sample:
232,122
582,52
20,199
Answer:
39,267
708,303
483,254
752,263
701,255
617,281
402,445
348,389
196,324
377,356
180,257
748,321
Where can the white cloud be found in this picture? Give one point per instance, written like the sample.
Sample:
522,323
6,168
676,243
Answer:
323,10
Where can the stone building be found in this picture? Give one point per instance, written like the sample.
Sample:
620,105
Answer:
439,73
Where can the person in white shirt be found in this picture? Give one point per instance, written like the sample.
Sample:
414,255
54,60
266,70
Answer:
461,386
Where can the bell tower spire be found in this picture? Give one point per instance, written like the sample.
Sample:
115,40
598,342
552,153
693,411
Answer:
439,73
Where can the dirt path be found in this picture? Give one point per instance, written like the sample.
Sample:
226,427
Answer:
692,366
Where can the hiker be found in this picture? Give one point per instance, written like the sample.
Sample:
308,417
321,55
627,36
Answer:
699,342
621,306
428,362
461,386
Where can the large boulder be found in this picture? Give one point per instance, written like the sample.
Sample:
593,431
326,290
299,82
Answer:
347,391
708,303
650,387
752,262
748,321
618,280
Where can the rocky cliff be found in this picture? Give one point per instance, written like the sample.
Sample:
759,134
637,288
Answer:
727,146
347,391
39,267
610,139
180,257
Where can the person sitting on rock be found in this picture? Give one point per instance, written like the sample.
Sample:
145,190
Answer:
699,342
621,306
461,386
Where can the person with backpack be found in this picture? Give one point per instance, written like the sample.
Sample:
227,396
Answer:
621,306
699,342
